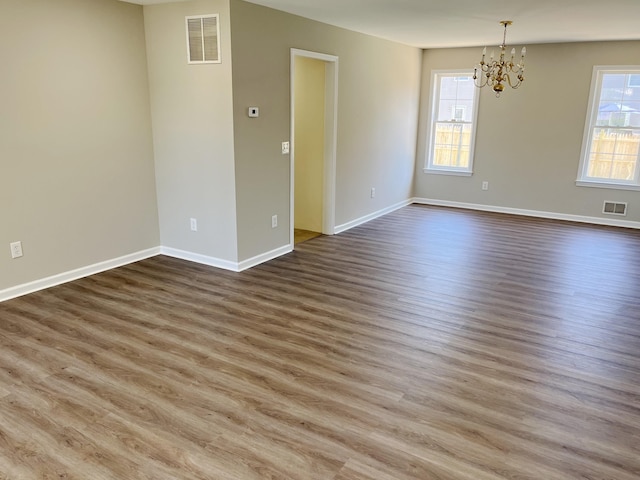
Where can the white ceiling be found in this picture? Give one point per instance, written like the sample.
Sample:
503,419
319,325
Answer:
458,23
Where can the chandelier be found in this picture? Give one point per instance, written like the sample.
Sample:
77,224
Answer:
496,73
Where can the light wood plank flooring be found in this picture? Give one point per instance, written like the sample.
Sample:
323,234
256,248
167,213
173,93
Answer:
428,344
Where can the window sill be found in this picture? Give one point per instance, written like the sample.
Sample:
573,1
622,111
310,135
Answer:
458,173
615,186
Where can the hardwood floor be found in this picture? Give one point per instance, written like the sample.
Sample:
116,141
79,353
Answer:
300,235
428,344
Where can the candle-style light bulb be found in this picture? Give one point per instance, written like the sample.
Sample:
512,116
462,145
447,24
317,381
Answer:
524,51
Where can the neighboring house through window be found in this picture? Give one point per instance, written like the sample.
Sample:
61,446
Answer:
452,122
611,145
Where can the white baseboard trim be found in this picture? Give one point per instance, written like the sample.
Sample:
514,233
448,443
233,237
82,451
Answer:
367,218
24,289
225,264
71,275
52,281
613,222
198,258
263,257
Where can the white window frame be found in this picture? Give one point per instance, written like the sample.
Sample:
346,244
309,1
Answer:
436,76
590,124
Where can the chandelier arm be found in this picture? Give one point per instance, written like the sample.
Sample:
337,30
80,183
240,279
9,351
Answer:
478,80
508,78
512,85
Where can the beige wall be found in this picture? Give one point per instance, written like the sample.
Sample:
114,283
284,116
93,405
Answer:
192,133
528,141
377,120
78,183
309,142
76,160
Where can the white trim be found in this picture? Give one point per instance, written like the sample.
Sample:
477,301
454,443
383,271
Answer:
367,218
330,141
330,146
48,282
263,257
52,281
198,258
436,75
225,264
615,186
71,275
530,213
590,124
586,133
459,173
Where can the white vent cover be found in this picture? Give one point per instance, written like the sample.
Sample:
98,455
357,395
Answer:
615,208
203,41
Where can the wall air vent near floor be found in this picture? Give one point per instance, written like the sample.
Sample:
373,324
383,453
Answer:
615,208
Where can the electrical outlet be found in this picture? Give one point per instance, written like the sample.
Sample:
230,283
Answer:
194,224
274,221
285,148
16,249
485,185
373,192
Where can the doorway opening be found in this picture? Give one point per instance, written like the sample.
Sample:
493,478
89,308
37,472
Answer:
314,97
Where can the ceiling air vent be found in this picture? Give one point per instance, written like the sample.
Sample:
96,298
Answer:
615,208
203,40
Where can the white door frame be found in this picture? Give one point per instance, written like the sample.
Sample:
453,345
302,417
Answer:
330,140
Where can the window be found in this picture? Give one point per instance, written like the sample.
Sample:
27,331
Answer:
611,146
634,80
203,45
452,125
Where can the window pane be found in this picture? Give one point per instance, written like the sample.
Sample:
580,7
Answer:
627,143
453,118
446,109
600,165
452,145
614,154
442,156
603,141
613,86
623,168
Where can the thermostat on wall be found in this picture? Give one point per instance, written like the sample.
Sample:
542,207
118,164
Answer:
254,112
